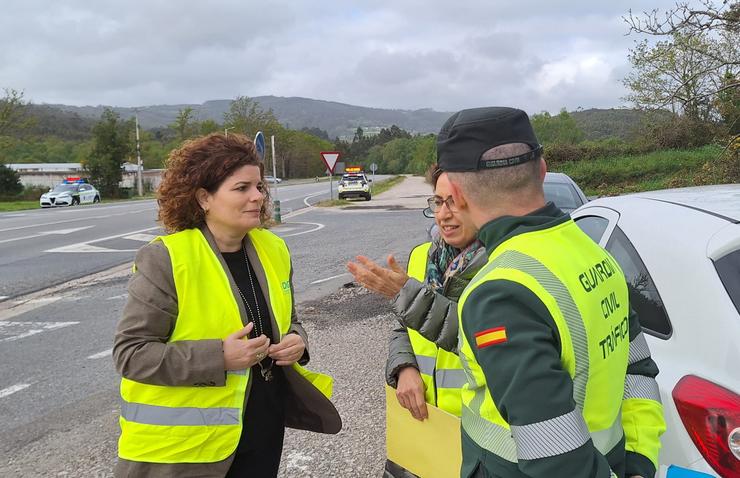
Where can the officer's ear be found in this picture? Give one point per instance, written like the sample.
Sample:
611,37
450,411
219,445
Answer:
543,170
457,193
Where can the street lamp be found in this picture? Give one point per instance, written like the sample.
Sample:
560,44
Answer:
226,130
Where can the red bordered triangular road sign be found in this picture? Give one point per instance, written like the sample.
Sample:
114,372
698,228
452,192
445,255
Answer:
330,159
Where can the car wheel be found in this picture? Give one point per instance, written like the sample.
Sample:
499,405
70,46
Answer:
96,200
75,201
367,197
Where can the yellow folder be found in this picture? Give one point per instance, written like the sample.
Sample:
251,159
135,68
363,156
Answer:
429,449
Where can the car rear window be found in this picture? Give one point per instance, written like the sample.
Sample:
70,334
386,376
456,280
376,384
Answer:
593,226
728,268
563,195
644,297
353,178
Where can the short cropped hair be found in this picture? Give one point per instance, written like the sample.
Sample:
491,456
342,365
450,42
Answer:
488,186
204,162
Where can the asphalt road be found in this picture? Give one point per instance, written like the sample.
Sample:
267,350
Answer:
42,248
58,388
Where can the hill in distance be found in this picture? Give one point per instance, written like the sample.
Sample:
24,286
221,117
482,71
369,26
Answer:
339,119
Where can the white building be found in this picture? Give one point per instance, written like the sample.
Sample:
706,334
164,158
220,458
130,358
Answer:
50,174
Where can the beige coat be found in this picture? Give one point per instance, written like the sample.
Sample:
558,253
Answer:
141,352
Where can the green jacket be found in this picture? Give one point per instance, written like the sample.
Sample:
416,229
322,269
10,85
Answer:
529,368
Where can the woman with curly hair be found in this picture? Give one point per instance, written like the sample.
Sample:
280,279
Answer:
209,348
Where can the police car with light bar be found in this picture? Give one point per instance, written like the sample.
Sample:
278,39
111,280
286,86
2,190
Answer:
70,192
354,183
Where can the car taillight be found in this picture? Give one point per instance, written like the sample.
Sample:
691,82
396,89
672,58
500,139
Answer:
711,415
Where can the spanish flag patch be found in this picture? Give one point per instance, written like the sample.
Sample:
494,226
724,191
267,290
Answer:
496,335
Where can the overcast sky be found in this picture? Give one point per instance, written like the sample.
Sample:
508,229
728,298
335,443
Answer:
445,55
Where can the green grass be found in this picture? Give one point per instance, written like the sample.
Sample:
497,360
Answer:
657,170
332,203
386,184
6,206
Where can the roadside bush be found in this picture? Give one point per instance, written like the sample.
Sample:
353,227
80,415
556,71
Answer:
10,182
559,153
677,132
32,193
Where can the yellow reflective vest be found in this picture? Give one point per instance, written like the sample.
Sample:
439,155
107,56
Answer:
165,424
550,263
440,370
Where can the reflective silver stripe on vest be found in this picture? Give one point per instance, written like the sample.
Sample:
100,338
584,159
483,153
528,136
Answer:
640,386
426,364
606,440
551,437
236,372
178,416
490,436
639,349
556,288
450,378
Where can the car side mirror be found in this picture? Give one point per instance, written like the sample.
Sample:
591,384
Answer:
428,212
369,180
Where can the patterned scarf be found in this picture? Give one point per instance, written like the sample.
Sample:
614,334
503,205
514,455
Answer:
446,261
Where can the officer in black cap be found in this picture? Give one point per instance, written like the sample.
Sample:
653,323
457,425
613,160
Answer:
552,374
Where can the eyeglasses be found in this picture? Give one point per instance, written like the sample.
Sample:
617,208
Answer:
435,203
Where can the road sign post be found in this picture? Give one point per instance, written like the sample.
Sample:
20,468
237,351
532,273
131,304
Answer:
330,160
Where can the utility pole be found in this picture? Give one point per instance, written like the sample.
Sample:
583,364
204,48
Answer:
276,201
140,167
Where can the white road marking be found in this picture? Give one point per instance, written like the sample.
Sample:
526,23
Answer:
87,247
15,215
87,218
103,354
42,327
329,278
141,237
116,297
46,233
15,388
67,231
283,229
24,307
3,297
318,227
305,200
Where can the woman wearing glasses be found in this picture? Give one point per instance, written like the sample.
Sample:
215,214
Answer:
424,296
208,346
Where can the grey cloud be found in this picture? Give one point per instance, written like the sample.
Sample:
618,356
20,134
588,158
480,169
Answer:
409,54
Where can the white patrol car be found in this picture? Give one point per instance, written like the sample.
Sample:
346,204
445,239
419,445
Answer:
70,192
354,184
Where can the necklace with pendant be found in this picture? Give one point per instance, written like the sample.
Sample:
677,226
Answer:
266,372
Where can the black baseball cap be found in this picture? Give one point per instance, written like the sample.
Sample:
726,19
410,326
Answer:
467,134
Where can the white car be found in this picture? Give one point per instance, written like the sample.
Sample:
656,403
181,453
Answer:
272,179
70,192
680,252
354,185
